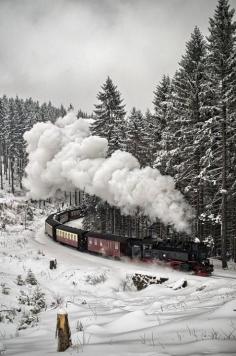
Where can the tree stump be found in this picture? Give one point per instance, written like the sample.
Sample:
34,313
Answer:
63,332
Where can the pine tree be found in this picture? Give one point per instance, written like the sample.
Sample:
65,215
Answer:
109,117
82,114
136,134
4,136
150,137
221,47
159,129
38,301
162,104
186,126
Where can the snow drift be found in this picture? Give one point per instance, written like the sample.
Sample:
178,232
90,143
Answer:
65,156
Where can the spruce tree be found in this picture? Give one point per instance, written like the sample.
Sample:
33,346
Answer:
109,117
221,47
159,128
162,104
186,126
136,142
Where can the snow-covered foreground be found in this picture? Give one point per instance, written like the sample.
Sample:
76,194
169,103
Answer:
116,318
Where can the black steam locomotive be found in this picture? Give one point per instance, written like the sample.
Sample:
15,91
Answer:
181,255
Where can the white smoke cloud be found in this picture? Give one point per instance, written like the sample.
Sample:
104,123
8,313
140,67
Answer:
65,156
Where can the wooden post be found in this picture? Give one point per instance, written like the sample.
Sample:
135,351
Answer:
63,332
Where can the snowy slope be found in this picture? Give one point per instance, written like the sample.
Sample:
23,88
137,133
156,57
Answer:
117,320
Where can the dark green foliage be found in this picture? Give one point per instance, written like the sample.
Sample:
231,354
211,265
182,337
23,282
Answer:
109,117
31,279
136,133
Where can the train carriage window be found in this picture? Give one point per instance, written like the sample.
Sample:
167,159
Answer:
116,246
100,243
95,242
90,242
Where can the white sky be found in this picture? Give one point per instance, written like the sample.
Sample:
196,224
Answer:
63,50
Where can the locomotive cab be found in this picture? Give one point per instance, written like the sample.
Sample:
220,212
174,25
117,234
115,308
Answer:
136,251
139,248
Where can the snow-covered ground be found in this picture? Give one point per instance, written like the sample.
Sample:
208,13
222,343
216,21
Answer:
98,294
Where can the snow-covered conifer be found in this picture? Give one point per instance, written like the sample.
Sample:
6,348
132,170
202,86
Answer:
109,116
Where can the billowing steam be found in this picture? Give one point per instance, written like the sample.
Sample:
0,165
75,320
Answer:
64,156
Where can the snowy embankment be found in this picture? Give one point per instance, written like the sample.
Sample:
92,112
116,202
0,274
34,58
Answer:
107,315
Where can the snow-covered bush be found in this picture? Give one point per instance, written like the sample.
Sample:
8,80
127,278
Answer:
19,280
58,301
10,316
28,319
38,301
94,279
31,279
24,298
5,289
127,283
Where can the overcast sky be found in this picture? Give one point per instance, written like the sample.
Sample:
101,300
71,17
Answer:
63,50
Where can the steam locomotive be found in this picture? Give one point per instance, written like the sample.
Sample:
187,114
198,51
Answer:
181,255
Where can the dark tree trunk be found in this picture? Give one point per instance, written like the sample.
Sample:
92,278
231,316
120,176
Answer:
224,193
76,198
1,172
12,176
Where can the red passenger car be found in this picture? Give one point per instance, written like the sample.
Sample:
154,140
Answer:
106,244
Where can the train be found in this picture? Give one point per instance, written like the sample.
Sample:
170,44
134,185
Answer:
179,254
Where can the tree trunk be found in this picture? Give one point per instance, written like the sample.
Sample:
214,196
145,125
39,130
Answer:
76,197
224,193
1,172
9,171
63,332
12,176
